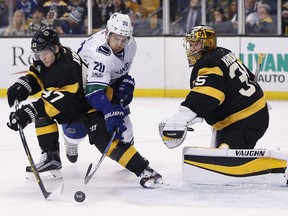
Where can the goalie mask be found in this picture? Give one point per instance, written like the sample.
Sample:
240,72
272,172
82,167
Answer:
197,41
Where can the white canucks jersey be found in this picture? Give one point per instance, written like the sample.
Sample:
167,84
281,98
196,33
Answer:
104,67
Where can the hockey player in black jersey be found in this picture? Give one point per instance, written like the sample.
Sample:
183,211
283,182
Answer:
57,72
223,93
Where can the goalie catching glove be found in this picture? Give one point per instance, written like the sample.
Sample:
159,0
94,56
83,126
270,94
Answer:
173,131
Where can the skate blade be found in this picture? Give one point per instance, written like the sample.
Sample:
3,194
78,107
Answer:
152,184
48,175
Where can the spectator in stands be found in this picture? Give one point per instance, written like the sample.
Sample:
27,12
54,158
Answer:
284,14
81,8
221,24
55,9
176,8
74,4
104,6
272,4
265,24
4,15
117,6
193,17
97,21
18,26
250,15
232,14
28,6
249,6
39,22
73,24
232,10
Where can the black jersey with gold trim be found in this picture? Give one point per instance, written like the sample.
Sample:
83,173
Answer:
223,91
63,96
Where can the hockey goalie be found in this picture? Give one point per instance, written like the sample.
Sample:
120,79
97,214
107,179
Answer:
225,94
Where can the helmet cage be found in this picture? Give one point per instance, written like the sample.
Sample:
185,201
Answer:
203,35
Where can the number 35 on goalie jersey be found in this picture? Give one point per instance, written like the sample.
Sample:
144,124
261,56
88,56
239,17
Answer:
222,90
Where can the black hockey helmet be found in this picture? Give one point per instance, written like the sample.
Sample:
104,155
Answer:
44,39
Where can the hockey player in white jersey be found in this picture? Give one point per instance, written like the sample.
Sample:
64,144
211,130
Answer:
109,89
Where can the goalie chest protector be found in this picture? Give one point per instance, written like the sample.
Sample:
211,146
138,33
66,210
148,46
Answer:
234,166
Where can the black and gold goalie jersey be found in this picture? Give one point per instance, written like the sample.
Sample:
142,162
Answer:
223,92
63,96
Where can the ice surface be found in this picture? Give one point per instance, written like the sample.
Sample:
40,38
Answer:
115,191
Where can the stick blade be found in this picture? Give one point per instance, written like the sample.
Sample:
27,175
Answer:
55,194
87,176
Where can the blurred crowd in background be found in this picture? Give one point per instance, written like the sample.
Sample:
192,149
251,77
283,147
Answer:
71,17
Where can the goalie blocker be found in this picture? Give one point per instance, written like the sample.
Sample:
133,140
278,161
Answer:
234,166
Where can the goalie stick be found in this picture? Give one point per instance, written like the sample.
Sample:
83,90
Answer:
258,67
257,71
48,195
90,174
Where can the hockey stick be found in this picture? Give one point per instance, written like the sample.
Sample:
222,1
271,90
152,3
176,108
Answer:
90,174
258,67
257,71
20,72
48,195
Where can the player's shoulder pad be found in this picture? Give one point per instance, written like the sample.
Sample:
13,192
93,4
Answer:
104,49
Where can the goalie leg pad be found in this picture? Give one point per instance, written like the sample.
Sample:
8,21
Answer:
234,166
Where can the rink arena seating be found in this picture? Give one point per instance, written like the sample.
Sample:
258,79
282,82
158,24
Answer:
234,167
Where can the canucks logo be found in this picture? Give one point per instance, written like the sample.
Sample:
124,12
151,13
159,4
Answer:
104,50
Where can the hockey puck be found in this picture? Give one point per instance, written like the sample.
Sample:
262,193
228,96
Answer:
79,196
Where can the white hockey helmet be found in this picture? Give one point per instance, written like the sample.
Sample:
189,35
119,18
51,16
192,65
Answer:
119,24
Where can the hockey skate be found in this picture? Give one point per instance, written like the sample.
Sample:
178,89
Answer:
49,166
71,152
151,179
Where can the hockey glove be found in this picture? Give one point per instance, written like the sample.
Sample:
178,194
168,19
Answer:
114,118
18,91
125,89
173,131
23,116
